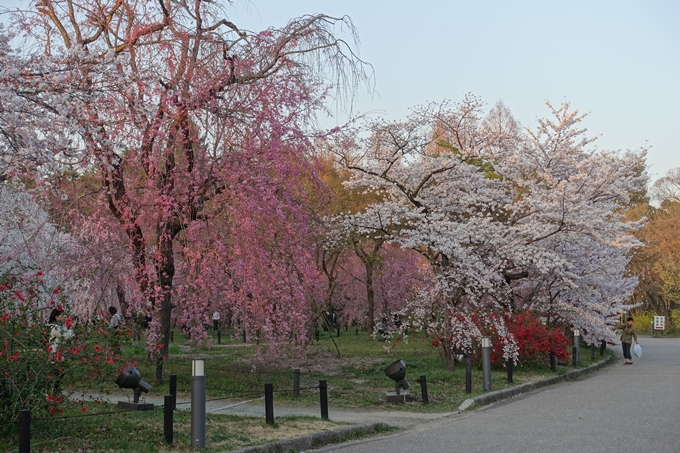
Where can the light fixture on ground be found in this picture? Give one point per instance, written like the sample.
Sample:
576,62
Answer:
397,372
198,402
130,378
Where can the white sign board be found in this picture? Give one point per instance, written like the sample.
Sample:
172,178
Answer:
659,322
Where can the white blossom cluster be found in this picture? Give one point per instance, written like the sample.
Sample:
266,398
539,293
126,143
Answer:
28,241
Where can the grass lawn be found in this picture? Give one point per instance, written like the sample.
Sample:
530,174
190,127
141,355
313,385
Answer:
143,432
355,380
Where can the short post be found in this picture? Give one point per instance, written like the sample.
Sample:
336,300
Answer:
357,331
168,406
258,336
24,431
338,331
244,336
603,346
652,328
219,337
592,352
173,390
553,362
468,375
172,336
486,362
296,382
269,403
198,402
346,327
323,396
423,389
576,349
511,365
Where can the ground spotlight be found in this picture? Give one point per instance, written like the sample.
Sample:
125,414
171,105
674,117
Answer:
130,378
397,372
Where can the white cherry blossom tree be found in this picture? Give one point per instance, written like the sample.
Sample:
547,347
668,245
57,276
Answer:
509,220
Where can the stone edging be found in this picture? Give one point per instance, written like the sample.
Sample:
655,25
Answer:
317,439
491,397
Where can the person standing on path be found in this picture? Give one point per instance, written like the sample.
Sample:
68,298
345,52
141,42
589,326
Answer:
115,320
216,320
628,333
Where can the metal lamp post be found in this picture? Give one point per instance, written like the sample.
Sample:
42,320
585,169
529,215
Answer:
486,362
576,356
198,402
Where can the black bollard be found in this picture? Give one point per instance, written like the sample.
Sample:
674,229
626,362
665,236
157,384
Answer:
24,431
423,389
511,366
553,362
603,346
173,390
592,352
172,336
346,327
269,403
258,336
296,382
244,336
168,406
338,331
357,331
323,397
468,375
219,337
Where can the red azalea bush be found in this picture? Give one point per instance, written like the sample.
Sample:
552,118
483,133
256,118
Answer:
535,340
32,375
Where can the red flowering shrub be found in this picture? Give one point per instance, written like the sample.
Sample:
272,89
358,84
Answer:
33,375
535,340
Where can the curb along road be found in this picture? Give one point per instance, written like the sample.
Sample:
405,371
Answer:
317,439
491,397
367,429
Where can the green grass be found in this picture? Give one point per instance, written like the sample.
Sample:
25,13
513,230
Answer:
143,432
355,380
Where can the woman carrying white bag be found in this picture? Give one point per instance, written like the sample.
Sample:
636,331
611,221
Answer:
628,333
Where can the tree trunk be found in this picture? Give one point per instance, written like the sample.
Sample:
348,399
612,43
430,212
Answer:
166,272
449,357
370,297
369,260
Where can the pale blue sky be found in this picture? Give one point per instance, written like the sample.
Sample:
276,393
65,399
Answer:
617,60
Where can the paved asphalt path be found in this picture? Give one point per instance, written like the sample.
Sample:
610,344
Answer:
621,408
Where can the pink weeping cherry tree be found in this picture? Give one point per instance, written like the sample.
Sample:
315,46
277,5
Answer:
198,131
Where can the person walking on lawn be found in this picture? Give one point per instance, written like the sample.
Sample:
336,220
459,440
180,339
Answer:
628,333
216,320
